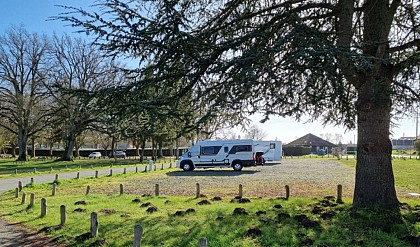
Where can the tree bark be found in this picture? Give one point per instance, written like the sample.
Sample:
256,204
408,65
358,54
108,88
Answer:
160,149
68,151
22,142
374,176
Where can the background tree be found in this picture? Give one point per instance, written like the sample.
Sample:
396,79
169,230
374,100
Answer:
417,146
344,61
78,67
22,75
255,133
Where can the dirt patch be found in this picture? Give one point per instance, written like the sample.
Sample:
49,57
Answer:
240,211
107,211
203,202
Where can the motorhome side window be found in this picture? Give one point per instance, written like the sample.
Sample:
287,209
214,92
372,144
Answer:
210,150
240,148
272,146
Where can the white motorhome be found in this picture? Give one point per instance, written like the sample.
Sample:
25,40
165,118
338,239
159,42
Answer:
230,153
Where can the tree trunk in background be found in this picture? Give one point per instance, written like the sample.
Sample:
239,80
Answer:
33,154
137,145
22,142
68,151
177,149
160,151
143,144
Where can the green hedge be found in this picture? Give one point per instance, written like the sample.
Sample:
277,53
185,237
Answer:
296,151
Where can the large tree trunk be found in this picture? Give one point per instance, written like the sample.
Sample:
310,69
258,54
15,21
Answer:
374,175
68,151
22,142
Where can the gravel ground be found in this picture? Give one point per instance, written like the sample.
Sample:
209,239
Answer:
306,178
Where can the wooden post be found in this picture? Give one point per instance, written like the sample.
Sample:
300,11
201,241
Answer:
17,193
32,200
161,167
94,225
145,169
125,170
87,189
156,189
170,165
240,190
340,193
121,189
43,207
287,191
78,175
20,186
137,169
32,180
23,198
54,189
202,242
197,193
56,177
110,172
62,215
138,232
34,170
96,174
154,167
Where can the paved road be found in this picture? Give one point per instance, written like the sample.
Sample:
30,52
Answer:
14,236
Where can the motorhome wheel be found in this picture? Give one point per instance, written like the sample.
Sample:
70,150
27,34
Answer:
187,166
237,166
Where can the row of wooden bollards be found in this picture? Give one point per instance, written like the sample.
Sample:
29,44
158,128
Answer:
157,191
94,224
138,230
154,167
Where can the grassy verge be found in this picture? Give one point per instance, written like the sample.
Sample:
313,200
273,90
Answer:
406,173
11,168
182,221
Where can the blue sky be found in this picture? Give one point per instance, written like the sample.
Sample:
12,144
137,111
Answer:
34,14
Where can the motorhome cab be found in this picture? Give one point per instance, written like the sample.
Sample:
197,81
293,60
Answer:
229,153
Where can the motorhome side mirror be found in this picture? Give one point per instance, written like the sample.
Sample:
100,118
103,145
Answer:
189,154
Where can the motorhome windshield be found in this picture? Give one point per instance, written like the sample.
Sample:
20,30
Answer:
193,151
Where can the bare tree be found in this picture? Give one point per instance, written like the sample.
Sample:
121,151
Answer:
22,74
79,69
255,133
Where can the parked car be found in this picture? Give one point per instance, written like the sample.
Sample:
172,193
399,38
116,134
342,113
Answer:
120,154
95,155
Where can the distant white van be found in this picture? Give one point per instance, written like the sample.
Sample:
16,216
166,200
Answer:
230,153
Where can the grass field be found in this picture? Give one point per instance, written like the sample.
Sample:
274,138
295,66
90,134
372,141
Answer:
10,167
406,173
183,220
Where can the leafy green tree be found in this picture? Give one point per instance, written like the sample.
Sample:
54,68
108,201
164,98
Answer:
343,61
